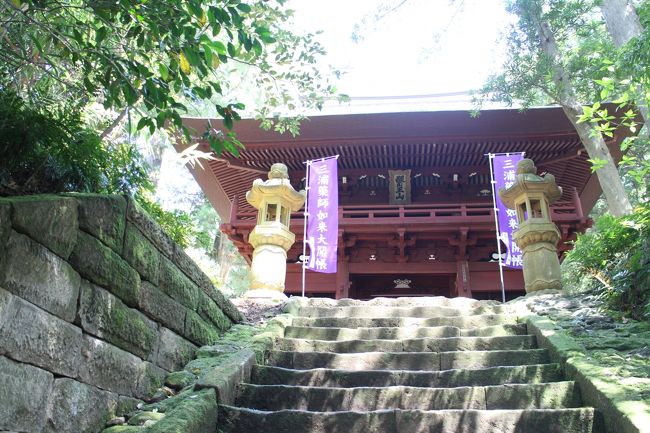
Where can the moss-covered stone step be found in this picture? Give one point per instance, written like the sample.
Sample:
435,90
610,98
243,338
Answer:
425,301
540,373
420,361
512,342
393,333
366,322
242,420
371,311
554,395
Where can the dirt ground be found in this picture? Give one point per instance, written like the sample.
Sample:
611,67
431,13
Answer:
257,312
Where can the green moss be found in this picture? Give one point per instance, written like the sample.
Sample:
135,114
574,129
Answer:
170,403
49,220
211,312
145,416
180,379
199,331
200,365
130,326
177,286
103,216
140,253
123,429
126,405
152,379
195,414
101,265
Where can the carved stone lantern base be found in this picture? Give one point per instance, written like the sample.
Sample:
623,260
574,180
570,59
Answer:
273,296
538,243
268,269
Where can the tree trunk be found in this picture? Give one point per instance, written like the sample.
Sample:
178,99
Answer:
623,24
608,177
621,20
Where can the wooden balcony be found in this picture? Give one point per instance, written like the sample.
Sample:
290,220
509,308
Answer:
432,215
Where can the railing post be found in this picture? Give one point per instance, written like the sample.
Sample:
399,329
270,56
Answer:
577,203
234,207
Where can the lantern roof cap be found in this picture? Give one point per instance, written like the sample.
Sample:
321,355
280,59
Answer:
276,188
527,182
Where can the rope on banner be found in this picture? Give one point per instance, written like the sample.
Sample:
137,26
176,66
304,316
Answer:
496,224
308,163
496,215
304,231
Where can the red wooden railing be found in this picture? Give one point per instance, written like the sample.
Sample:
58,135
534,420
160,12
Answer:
418,213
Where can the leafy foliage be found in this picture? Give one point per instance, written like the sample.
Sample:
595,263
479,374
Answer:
527,70
613,259
158,57
48,149
51,152
177,224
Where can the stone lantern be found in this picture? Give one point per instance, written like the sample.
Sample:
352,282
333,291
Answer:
537,236
271,238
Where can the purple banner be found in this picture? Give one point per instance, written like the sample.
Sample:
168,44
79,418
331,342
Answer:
323,215
505,172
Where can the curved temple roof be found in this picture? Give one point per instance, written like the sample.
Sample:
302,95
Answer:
445,141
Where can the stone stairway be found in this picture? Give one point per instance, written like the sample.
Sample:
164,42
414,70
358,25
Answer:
408,365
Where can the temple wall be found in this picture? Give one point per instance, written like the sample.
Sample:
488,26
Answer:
97,304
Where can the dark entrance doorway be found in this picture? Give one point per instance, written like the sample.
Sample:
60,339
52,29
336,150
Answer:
393,285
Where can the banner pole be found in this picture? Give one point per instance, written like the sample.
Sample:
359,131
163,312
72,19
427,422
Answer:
496,224
304,231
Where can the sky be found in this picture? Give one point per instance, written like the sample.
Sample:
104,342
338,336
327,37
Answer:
423,48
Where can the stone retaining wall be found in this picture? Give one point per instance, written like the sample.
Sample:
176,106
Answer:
97,305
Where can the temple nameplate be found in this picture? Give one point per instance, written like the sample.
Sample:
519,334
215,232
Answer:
399,186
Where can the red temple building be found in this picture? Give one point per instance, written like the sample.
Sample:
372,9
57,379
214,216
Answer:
439,241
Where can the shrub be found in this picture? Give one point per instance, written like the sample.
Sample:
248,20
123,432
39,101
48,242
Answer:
177,224
613,259
51,150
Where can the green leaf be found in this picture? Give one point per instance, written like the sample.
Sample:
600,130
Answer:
160,119
207,54
36,42
232,51
144,121
130,95
604,94
597,164
89,85
219,47
257,47
164,71
244,7
195,8
227,121
192,56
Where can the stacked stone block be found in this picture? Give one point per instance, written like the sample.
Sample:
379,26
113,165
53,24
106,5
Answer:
97,305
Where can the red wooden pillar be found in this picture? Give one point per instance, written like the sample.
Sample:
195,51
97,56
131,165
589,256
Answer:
342,269
463,287
342,280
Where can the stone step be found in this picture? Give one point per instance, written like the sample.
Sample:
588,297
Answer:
407,360
409,345
371,311
365,322
325,399
425,301
392,333
242,420
540,373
